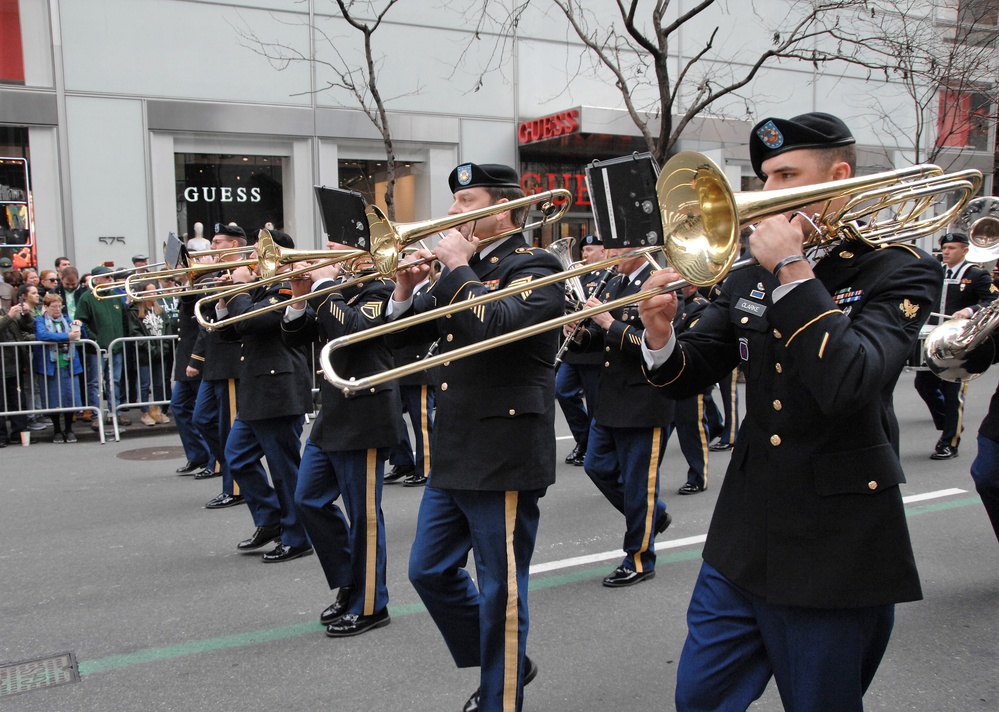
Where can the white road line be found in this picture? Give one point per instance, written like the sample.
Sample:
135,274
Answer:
691,540
932,495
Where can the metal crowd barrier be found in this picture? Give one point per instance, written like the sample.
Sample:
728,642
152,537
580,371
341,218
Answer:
28,389
146,379
146,374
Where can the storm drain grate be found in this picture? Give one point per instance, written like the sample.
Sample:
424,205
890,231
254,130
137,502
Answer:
29,675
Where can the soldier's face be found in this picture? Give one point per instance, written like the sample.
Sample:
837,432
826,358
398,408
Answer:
592,253
953,253
468,199
799,168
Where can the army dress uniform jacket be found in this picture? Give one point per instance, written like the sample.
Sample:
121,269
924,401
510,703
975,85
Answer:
810,512
495,422
274,379
970,287
187,339
625,400
411,351
368,419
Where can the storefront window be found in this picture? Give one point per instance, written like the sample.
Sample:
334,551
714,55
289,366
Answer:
369,178
247,190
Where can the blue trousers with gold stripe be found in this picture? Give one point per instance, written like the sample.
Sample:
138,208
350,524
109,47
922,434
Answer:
418,401
214,413
624,464
485,627
354,554
693,432
823,659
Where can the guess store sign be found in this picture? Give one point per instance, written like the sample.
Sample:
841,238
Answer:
575,183
562,123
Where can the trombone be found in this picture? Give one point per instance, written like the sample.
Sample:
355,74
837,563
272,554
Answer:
702,217
192,270
388,240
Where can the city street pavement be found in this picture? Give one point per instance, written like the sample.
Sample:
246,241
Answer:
116,561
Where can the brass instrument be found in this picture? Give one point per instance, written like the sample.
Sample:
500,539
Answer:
961,350
979,220
702,218
388,240
191,270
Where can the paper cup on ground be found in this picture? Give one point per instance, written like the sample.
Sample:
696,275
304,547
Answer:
25,438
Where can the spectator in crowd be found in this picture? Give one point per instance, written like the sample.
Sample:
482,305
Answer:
57,363
16,324
61,263
28,296
29,276
47,281
7,290
104,320
146,318
72,289
13,277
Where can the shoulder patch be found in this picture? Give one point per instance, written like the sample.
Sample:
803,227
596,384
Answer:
285,291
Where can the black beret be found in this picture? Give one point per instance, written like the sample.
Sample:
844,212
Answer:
958,237
230,230
488,175
282,239
592,240
772,137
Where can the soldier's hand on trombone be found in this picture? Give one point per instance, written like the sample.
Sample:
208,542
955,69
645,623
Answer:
604,319
243,275
657,313
409,275
454,250
776,238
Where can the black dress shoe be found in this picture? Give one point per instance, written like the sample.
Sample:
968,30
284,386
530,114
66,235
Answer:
4,442
576,456
190,468
719,447
398,472
283,552
339,606
206,473
262,537
626,577
530,672
224,500
662,524
414,480
353,624
944,452
689,489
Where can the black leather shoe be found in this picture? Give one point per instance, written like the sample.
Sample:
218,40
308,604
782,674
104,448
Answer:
4,442
262,537
353,624
944,452
662,524
190,468
339,606
719,447
626,577
224,500
689,489
206,473
397,473
530,672
414,480
577,455
283,552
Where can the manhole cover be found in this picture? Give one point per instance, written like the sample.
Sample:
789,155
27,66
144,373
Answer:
29,675
152,453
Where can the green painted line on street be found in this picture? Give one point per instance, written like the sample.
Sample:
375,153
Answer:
149,655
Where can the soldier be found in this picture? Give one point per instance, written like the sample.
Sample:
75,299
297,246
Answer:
967,289
808,548
494,437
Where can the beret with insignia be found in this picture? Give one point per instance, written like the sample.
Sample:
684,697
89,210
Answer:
592,240
229,230
958,237
772,137
487,175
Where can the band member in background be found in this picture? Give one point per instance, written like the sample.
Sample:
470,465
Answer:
577,380
967,289
345,452
494,437
630,424
274,395
808,548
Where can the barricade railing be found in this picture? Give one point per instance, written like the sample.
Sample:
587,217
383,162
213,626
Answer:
49,378
140,372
